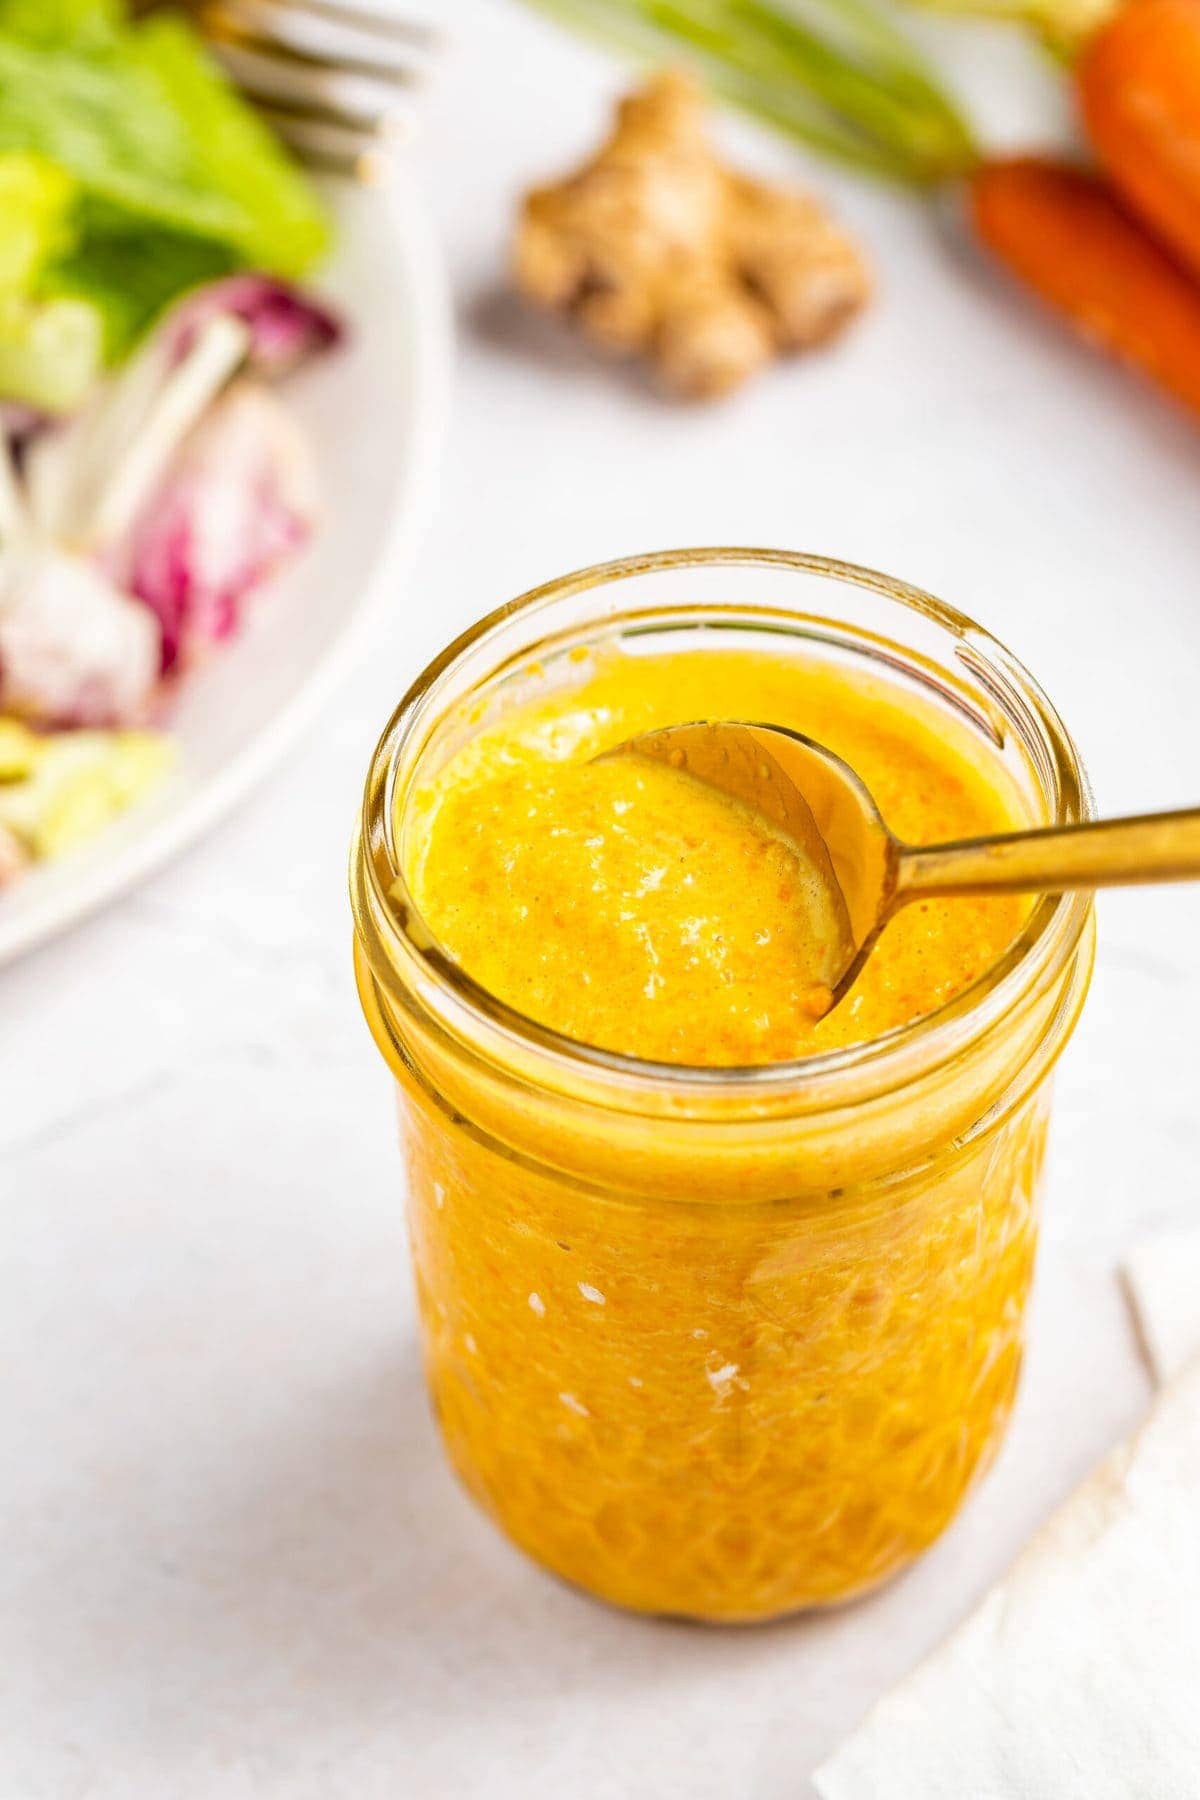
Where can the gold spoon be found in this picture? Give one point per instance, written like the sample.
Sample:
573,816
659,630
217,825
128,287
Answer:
865,874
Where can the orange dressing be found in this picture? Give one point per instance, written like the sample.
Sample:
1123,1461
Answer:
628,906
715,1369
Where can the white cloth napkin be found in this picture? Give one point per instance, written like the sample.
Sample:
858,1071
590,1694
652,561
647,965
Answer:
1078,1678
1163,1281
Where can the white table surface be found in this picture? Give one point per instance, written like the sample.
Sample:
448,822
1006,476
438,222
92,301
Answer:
233,1562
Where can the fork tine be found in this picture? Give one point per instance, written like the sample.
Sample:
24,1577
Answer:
302,110
223,29
363,18
370,167
367,153
305,99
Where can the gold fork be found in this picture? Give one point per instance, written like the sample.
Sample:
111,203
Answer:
333,77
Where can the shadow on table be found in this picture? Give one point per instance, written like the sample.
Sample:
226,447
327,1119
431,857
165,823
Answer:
498,318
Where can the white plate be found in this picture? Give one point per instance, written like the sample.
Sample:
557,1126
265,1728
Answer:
376,411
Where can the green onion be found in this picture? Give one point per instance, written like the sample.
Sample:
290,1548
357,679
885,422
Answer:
834,74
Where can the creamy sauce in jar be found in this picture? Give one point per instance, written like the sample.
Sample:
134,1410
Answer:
627,905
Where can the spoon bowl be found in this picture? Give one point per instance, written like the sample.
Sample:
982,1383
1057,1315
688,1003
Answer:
862,873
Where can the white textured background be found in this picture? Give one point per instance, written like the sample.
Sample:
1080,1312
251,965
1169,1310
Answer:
231,1560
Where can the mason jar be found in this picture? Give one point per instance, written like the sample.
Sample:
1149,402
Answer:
812,1275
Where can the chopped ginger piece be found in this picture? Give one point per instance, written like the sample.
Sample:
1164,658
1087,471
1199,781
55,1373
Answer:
655,247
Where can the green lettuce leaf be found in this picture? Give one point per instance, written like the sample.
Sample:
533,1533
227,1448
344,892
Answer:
37,208
131,275
51,343
57,22
142,120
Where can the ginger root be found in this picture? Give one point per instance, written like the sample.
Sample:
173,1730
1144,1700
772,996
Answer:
655,247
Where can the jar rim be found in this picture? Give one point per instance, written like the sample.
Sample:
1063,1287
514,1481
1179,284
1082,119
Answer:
392,932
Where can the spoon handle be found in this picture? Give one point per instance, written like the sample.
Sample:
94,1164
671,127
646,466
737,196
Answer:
1108,853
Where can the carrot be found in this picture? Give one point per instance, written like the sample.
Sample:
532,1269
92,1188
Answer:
1068,238
1138,82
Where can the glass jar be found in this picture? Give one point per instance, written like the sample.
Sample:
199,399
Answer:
710,1342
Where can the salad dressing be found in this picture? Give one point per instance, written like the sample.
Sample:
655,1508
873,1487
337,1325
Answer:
714,1341
628,906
